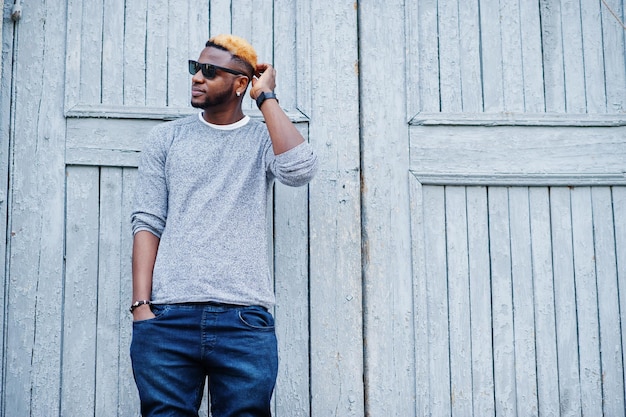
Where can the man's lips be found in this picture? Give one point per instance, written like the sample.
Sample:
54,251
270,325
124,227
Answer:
196,92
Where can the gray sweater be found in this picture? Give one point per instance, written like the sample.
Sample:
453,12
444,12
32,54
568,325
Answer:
204,191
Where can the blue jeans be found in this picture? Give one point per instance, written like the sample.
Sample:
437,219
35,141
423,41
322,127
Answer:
234,346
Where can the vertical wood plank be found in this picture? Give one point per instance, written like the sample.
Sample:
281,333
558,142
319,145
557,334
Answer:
512,63
107,301
437,292
73,53
572,58
285,46
502,294
304,47
336,285
113,60
492,62
420,299
428,50
586,302
128,398
291,278
135,28
619,218
565,301
220,17
386,238
412,27
608,303
523,303
91,52
81,289
449,56
178,78
156,53
553,71
480,299
545,326
198,27
458,301
593,57
34,261
613,39
530,33
469,38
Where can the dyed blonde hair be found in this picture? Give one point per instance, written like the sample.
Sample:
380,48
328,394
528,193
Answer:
238,47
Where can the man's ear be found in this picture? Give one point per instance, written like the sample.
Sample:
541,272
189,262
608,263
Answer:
242,84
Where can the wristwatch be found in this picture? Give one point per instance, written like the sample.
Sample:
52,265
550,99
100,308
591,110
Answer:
264,96
139,303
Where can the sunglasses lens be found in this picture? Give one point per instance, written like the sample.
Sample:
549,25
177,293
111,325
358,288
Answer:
208,71
194,67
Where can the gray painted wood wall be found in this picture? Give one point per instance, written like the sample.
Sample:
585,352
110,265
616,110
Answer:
461,252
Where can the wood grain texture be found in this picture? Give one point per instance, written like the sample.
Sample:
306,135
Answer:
386,239
34,263
336,286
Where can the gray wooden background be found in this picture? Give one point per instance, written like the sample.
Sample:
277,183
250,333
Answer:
462,251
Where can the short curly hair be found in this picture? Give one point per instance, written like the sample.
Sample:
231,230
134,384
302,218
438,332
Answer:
240,49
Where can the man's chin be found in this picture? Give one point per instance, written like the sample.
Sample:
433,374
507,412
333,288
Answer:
198,105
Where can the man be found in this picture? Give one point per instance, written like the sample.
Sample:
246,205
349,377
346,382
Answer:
201,280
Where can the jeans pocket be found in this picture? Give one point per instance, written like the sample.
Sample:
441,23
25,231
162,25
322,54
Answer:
257,319
158,310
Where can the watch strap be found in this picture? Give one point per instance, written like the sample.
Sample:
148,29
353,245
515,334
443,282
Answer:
264,96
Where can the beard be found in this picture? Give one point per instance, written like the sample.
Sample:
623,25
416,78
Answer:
211,101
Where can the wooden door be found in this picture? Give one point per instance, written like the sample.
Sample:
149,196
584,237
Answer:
493,149
90,78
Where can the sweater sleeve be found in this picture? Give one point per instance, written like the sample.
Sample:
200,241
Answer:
294,168
151,194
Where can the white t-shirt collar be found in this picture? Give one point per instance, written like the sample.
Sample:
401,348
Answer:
244,121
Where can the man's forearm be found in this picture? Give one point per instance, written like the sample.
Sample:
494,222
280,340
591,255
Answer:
283,133
145,246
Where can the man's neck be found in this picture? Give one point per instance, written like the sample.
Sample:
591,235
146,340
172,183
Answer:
223,116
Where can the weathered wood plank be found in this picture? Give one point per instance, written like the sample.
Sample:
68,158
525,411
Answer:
608,303
523,303
481,303
135,64
178,77
437,293
492,62
613,39
420,306
532,60
593,57
586,302
291,277
156,53
619,218
303,70
512,62
552,42
128,403
469,31
108,303
336,286
91,52
285,52
198,26
526,151
572,58
458,301
220,17
113,60
502,296
73,53
428,51
80,292
565,302
450,87
35,206
386,238
544,305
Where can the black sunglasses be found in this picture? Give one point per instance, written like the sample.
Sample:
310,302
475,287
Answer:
208,70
